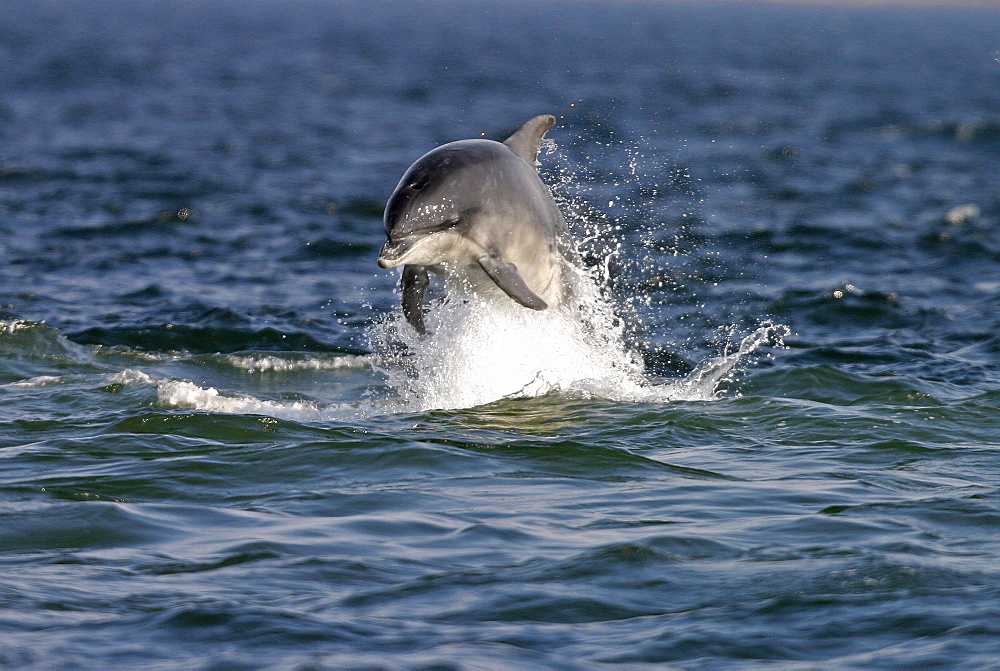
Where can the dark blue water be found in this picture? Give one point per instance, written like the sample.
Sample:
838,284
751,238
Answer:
214,455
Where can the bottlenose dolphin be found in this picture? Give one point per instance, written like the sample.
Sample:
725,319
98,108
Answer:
477,213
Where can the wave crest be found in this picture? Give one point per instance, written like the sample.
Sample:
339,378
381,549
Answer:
184,394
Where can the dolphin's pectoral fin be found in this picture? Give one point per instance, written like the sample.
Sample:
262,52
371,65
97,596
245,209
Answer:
524,142
507,278
414,286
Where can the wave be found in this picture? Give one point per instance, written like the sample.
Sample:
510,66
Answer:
292,362
581,369
479,351
200,338
184,394
38,381
21,337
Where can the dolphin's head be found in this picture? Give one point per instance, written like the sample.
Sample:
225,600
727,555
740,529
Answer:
439,192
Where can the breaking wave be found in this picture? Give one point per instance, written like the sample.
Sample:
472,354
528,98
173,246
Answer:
184,394
292,362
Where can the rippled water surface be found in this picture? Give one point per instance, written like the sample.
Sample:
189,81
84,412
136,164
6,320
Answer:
777,443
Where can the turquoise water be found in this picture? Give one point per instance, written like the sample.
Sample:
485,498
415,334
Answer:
776,444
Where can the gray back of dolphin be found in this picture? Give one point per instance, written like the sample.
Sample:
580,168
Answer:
477,209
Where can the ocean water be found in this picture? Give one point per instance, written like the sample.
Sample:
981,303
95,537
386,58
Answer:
773,442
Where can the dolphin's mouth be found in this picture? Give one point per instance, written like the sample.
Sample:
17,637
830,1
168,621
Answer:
394,251
422,249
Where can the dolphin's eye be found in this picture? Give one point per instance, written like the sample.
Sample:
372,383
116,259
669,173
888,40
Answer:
418,182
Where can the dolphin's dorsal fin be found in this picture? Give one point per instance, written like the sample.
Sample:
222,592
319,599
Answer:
525,141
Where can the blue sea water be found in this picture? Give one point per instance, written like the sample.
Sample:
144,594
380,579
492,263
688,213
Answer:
221,448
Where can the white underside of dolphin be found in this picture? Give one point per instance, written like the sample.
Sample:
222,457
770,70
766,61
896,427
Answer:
477,213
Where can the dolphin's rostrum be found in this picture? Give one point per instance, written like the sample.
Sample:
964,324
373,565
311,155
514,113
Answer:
476,212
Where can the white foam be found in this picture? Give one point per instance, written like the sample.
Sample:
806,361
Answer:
185,394
9,326
136,355
40,381
268,363
130,377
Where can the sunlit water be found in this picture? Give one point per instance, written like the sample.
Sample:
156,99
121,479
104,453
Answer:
765,436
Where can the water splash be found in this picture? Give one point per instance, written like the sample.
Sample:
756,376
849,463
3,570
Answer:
703,383
481,349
